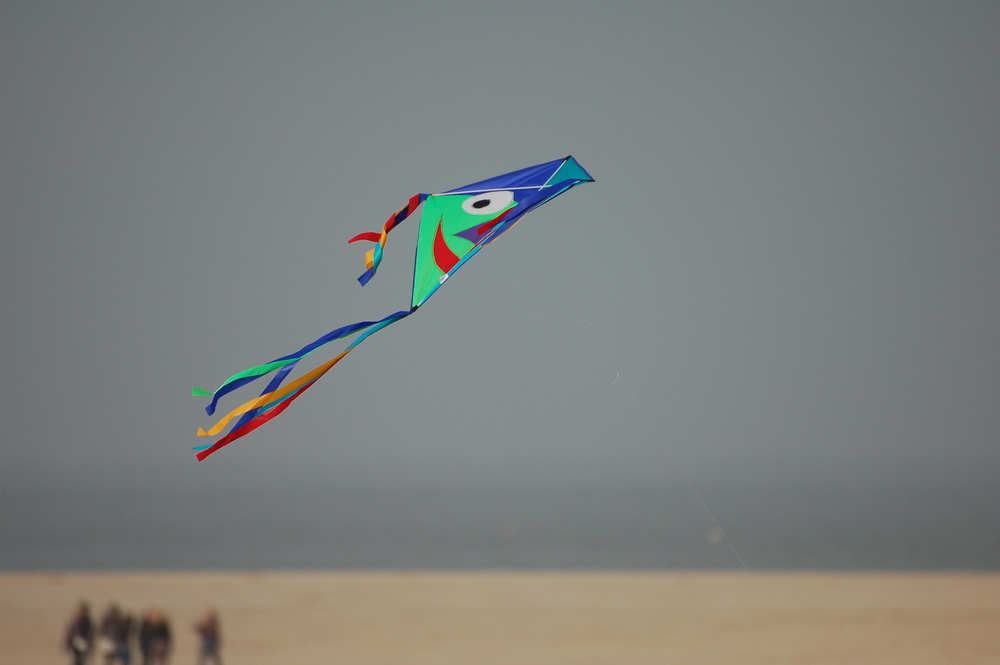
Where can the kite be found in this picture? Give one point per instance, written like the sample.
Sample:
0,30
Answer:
454,226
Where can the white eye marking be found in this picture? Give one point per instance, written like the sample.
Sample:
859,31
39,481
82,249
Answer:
488,203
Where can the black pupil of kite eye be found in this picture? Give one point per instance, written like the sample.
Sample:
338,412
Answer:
481,203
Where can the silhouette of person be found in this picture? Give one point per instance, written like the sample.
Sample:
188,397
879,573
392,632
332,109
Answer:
80,635
116,628
208,632
154,638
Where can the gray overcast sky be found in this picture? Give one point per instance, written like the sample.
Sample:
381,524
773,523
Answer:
791,254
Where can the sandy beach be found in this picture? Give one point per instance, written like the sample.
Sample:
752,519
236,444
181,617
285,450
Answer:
530,617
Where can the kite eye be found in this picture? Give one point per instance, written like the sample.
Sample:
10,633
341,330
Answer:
488,203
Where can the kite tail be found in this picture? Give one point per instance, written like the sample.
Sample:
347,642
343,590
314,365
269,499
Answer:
274,399
374,256
285,363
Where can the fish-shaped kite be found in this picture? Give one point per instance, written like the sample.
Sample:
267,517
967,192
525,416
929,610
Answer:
454,226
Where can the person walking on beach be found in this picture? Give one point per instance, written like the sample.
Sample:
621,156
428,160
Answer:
208,632
116,628
154,639
80,635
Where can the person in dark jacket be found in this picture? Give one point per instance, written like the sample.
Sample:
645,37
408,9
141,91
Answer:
154,638
116,629
80,635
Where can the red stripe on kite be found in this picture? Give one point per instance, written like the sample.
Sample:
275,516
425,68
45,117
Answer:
412,204
484,229
368,235
443,256
251,425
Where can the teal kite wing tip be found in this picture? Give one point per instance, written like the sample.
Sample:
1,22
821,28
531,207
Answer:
198,392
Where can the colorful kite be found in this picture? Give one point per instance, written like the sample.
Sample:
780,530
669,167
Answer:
453,227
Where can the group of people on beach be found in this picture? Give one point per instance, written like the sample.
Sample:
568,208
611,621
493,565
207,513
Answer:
112,639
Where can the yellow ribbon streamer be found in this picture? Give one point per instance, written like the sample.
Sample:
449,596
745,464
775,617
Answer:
267,398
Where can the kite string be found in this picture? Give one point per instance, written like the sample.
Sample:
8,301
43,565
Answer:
670,454
694,490
563,319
